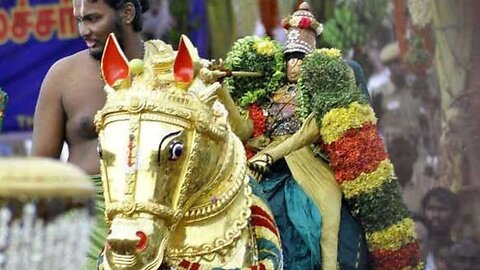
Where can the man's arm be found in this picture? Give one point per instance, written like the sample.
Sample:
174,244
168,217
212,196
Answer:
49,118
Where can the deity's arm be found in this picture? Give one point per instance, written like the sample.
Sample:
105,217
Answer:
307,135
242,126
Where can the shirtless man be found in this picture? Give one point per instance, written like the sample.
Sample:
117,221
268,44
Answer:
72,92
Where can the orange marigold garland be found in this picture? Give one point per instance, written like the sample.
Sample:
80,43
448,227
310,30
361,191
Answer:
259,120
395,259
255,113
358,151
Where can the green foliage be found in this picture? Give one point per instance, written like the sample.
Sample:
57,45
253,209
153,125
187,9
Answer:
353,23
326,82
345,31
386,200
244,56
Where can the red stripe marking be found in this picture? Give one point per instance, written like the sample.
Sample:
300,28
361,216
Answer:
257,210
258,221
185,264
195,266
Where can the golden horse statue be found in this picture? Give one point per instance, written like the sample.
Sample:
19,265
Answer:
177,193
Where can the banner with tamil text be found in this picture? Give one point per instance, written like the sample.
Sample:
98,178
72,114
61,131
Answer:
33,35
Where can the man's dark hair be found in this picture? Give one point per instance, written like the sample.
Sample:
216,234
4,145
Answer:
141,6
443,195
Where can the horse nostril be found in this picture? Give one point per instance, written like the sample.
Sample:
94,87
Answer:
142,242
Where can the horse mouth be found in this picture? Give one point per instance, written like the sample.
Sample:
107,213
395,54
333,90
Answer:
123,261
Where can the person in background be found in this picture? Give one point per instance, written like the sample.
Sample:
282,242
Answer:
72,92
422,235
464,255
439,207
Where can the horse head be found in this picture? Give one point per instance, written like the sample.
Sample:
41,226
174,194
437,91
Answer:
164,145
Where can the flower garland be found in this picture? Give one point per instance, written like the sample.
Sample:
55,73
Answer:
259,120
3,101
358,159
255,113
260,55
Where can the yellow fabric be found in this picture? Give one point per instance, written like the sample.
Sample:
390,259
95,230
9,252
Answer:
318,182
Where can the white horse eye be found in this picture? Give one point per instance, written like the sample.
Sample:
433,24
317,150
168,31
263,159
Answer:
176,150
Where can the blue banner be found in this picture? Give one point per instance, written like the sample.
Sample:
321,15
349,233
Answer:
33,35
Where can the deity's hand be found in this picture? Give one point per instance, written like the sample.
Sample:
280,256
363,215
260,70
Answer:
260,165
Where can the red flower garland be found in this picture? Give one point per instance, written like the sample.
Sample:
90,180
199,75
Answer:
255,113
408,255
359,150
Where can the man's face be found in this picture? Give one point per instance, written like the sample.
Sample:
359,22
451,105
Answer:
438,216
95,21
465,257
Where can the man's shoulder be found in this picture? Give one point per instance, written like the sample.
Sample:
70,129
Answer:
67,70
72,66
76,58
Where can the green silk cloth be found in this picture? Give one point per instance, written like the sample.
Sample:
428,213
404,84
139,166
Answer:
3,101
99,233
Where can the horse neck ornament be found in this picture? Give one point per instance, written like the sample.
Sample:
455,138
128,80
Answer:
174,175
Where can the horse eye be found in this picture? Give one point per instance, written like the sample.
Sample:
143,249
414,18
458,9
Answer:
176,150
99,150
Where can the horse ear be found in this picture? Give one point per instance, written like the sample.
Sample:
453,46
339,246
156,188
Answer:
114,63
183,67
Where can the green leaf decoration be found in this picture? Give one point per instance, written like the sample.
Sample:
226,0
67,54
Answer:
326,82
260,55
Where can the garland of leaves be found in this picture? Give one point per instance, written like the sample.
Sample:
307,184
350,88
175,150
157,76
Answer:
325,82
259,55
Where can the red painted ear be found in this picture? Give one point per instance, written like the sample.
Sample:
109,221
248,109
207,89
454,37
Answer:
183,66
114,62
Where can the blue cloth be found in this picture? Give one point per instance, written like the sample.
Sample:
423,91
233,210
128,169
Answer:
297,218
352,246
299,222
